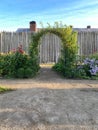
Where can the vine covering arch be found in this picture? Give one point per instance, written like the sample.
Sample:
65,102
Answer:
69,47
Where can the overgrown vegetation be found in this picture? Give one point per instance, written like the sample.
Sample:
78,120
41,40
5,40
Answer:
17,64
87,67
68,37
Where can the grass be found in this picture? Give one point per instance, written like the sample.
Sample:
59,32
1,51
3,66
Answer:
4,89
47,65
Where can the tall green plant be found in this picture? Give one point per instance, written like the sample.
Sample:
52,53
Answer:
66,63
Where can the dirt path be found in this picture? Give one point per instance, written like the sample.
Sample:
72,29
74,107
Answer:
49,102
50,79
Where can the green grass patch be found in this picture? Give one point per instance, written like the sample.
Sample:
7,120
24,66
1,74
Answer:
4,89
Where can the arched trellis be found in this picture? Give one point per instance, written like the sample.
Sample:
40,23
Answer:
68,42
36,38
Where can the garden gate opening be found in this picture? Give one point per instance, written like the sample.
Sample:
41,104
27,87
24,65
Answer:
49,48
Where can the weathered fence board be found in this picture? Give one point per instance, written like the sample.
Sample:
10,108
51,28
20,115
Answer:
49,49
50,44
11,40
87,42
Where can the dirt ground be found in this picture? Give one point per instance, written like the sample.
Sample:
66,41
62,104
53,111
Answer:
49,102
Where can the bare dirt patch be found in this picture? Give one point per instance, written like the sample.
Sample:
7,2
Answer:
49,102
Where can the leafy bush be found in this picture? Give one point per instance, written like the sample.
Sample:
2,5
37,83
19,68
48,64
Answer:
28,73
18,64
91,67
66,63
87,69
20,73
4,64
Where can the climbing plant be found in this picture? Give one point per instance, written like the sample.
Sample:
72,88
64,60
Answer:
68,38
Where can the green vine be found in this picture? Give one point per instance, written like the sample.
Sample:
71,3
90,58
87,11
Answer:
68,44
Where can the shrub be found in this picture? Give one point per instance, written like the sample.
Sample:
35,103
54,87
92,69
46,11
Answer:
91,67
4,64
20,73
18,64
28,73
66,63
87,69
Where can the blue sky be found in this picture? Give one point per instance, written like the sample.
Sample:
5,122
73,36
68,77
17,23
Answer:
18,13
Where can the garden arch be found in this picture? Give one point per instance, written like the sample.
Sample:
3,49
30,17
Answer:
36,39
68,44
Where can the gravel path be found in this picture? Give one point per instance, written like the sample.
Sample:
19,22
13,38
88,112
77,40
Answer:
49,102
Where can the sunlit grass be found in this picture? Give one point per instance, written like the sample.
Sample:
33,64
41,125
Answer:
50,65
4,89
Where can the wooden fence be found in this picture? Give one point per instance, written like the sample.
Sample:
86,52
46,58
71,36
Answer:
49,49
87,42
11,40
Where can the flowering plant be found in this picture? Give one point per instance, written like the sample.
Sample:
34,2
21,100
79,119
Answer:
90,66
18,64
19,49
